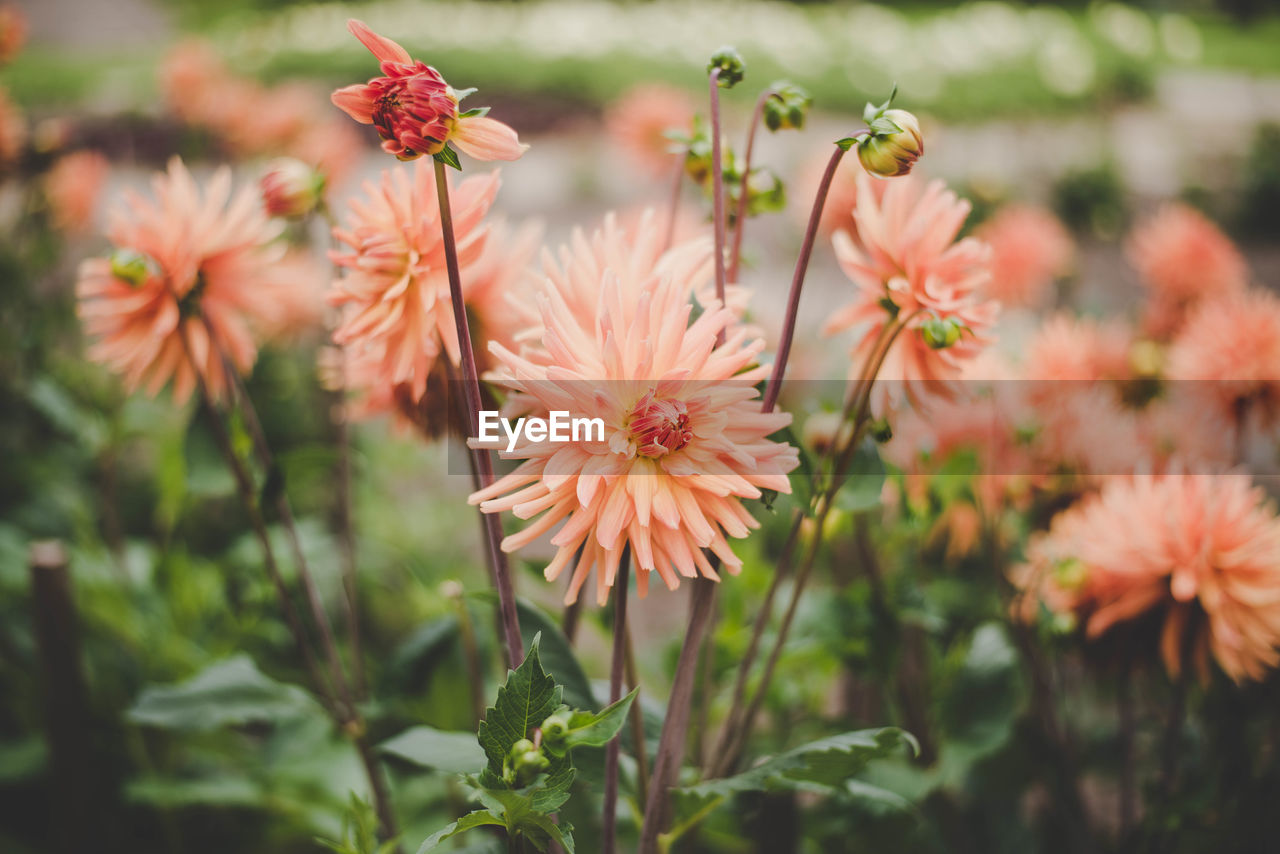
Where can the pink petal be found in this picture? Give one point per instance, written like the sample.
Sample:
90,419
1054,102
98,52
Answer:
356,102
383,48
486,139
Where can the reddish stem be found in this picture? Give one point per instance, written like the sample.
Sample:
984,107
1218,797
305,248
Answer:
797,283
471,384
740,221
618,664
717,185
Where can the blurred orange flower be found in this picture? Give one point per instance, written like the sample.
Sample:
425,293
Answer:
1182,257
1201,551
190,264
72,187
639,120
1030,248
13,32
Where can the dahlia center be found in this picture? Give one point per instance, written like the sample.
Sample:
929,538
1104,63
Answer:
659,426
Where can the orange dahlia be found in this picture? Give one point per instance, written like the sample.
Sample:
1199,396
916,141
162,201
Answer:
1201,552
394,287
1030,248
683,440
189,264
907,265
639,121
72,187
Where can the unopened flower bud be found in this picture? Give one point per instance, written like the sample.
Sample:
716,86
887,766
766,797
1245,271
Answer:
940,332
880,430
787,107
732,68
888,152
555,727
132,266
524,762
291,188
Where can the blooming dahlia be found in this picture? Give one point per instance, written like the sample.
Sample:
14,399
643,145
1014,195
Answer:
395,286
684,438
416,111
909,267
1202,552
638,123
189,264
72,187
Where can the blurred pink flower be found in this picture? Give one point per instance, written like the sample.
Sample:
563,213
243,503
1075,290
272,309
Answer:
13,132
1228,353
395,287
1030,248
842,196
203,256
684,438
72,187
291,188
416,111
1182,258
639,120
1200,551
907,265
13,32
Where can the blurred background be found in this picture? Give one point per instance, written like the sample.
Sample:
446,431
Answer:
1097,111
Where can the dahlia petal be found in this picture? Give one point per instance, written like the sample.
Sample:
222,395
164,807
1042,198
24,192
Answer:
484,138
356,101
380,46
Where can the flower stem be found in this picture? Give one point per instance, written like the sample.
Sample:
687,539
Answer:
471,384
637,728
797,283
673,208
609,820
740,220
1128,785
336,697
717,185
671,745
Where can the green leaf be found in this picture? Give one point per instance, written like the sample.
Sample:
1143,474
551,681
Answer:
449,157
523,815
451,752
823,765
475,112
587,729
884,126
848,142
527,698
230,693
479,818
556,654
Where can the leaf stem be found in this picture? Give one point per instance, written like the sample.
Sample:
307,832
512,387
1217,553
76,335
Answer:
471,384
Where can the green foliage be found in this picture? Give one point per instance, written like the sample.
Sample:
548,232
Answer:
527,738
231,693
360,832
450,752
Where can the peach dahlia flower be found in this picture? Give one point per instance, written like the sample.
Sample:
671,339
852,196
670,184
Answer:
416,111
1030,248
1182,258
205,266
13,131
13,32
1200,551
684,438
1228,353
72,187
394,287
639,120
907,265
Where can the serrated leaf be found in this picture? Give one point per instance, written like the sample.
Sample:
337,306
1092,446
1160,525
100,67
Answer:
451,752
824,765
449,157
587,729
524,701
230,693
479,818
524,816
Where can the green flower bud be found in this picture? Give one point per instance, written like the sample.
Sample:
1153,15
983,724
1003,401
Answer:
732,68
886,152
524,762
132,266
555,727
1070,574
787,107
940,332
881,430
